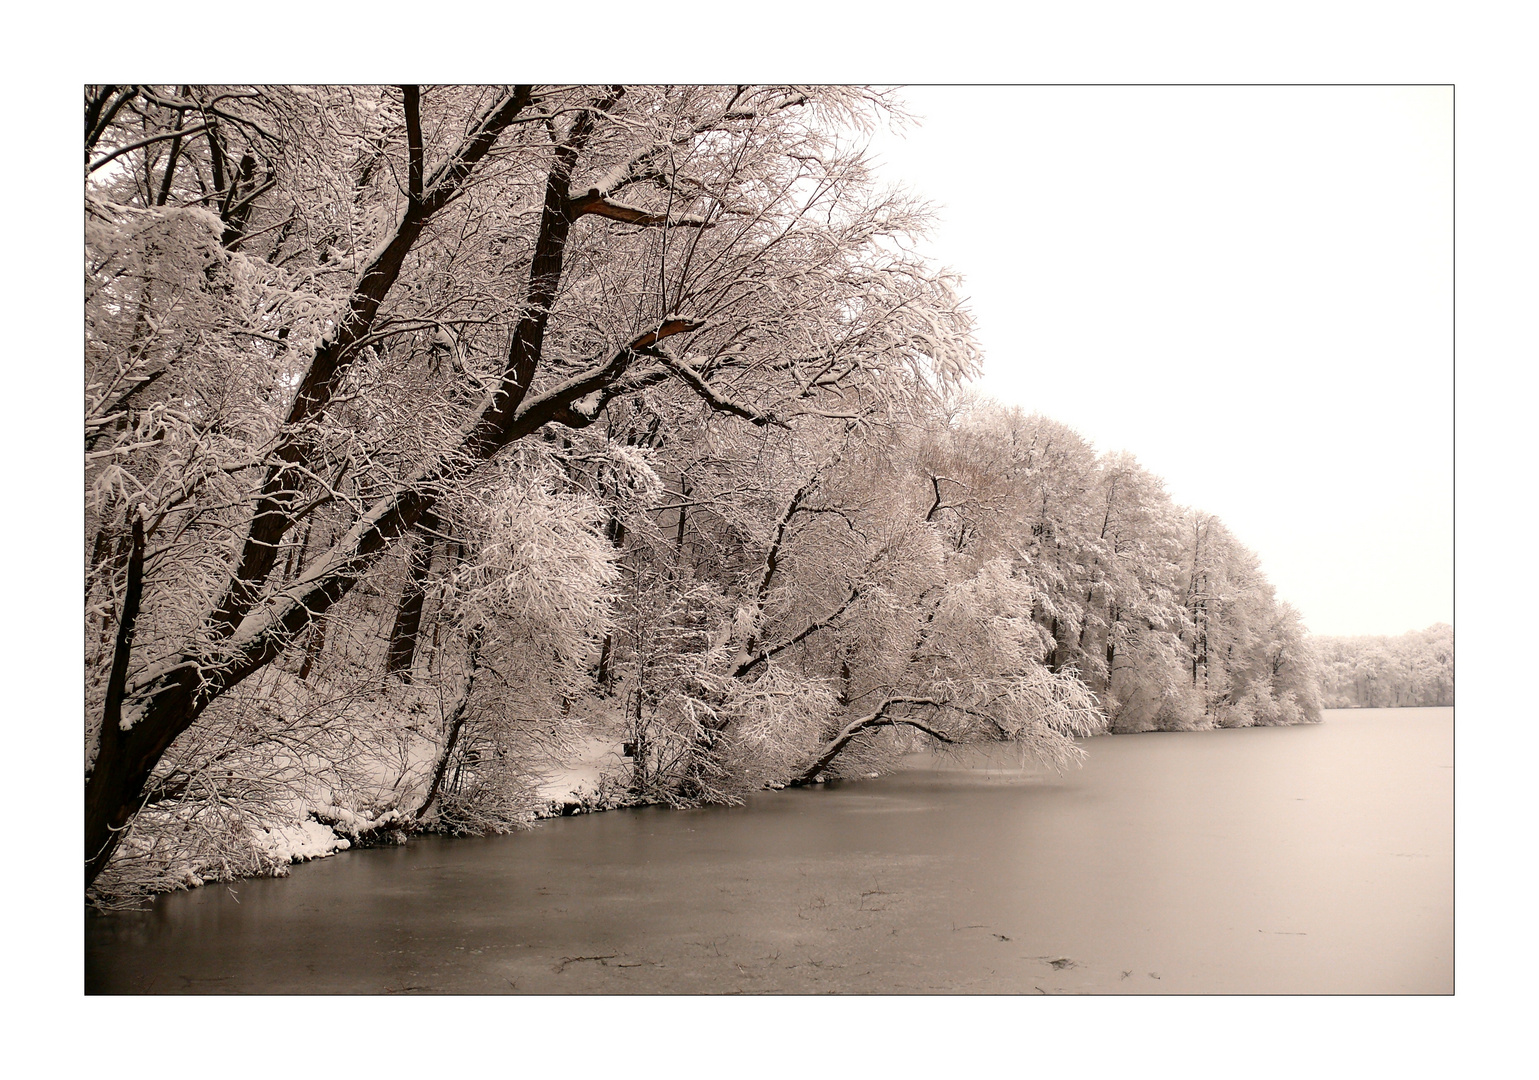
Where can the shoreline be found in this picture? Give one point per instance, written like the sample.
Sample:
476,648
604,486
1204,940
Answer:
573,792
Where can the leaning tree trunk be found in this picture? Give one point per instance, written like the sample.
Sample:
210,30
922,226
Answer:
877,719
112,737
456,723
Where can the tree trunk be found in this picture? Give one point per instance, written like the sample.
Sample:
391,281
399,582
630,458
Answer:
112,736
456,722
1113,619
640,781
313,649
604,675
408,615
835,746
296,561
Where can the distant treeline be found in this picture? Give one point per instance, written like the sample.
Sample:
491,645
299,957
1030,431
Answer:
1387,672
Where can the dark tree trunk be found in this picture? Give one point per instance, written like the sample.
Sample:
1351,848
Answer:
604,675
614,531
112,736
296,561
333,357
1111,642
408,615
313,649
640,782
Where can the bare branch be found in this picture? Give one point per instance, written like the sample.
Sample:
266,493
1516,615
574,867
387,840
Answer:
721,403
178,134
764,655
594,202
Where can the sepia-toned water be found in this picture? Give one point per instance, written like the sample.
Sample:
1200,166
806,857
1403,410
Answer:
1276,860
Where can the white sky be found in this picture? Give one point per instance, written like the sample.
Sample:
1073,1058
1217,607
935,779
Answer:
1250,288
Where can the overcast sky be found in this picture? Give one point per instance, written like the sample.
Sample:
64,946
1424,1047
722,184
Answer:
1250,288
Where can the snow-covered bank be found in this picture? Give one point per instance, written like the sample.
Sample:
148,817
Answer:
583,785
177,847
587,780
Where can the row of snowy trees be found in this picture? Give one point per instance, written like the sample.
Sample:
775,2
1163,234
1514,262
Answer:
1413,669
426,429
1159,609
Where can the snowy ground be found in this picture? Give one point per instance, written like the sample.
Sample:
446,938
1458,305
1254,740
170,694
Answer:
302,842
579,780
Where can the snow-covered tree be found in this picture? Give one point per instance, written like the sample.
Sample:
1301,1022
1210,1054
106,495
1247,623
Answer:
425,425
1413,669
347,300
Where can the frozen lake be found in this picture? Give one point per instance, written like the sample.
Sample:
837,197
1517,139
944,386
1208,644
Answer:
1272,860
